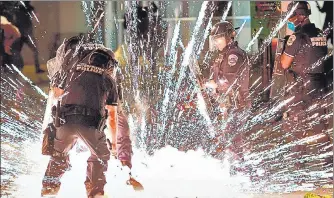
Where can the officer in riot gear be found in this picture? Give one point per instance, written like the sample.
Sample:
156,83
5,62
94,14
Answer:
230,79
231,67
87,93
303,61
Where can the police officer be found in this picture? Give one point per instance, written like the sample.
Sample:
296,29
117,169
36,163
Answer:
8,34
230,77
304,70
231,67
87,89
302,51
302,59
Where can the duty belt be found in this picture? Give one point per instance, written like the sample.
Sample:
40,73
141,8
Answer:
78,110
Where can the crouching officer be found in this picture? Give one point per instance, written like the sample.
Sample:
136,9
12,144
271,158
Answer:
302,60
230,79
86,79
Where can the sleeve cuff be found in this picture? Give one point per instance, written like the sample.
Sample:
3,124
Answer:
288,55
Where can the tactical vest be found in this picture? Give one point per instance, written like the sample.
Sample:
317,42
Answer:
82,77
306,77
237,75
312,48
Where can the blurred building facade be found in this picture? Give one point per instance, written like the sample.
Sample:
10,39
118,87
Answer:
58,20
68,18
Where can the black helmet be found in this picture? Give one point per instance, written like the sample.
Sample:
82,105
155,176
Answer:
95,54
224,28
303,8
72,42
103,57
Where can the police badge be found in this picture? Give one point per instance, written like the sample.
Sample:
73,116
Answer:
292,38
232,60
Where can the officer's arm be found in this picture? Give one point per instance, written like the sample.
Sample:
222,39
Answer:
112,124
286,61
57,85
111,106
289,52
57,92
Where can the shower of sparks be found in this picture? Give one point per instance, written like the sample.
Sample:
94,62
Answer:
31,40
274,32
98,21
35,16
251,43
229,4
241,27
170,117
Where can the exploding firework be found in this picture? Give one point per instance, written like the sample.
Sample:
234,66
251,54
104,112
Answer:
172,124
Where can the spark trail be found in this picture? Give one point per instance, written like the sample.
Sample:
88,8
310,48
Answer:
171,113
173,122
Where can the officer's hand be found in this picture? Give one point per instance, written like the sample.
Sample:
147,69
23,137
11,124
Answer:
11,33
126,163
223,85
112,148
113,153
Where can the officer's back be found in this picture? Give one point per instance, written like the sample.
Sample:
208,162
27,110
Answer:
87,85
88,90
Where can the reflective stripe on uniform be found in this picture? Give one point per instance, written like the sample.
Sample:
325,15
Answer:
288,55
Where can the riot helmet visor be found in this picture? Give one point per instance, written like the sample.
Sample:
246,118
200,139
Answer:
217,42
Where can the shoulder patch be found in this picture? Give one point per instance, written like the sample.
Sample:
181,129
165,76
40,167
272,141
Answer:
292,39
232,59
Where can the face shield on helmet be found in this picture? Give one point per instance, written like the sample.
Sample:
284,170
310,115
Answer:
55,64
221,34
217,42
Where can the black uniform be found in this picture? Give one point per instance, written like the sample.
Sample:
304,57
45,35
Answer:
305,79
21,16
87,91
232,65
